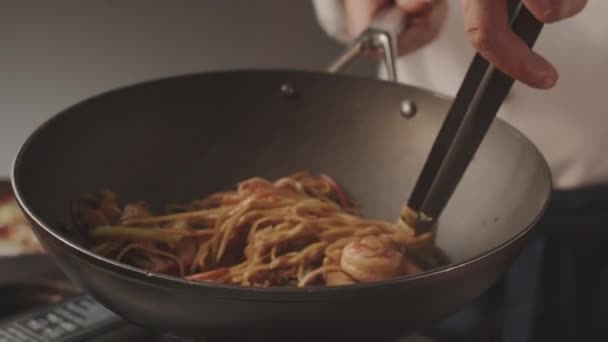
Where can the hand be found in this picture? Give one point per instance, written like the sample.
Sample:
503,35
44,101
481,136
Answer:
425,20
487,28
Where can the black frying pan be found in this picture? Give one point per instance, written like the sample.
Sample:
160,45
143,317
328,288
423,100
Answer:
178,138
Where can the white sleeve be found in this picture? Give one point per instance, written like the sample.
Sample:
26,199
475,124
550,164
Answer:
330,14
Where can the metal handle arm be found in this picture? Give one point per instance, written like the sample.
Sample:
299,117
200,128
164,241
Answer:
379,37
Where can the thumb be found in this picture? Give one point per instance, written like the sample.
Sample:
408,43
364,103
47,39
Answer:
359,14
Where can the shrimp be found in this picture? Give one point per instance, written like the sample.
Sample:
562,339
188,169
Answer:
371,259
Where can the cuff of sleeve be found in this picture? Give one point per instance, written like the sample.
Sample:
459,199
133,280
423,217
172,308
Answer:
330,14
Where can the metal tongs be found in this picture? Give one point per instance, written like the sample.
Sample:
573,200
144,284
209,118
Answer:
480,96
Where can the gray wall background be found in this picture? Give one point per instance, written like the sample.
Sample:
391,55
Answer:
55,53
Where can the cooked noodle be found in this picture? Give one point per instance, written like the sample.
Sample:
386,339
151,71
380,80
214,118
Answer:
301,230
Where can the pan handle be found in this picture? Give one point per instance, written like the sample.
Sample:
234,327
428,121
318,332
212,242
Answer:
379,38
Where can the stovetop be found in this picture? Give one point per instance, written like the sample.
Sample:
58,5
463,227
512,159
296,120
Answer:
39,304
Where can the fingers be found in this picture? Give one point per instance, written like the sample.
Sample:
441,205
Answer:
416,6
359,14
553,10
487,28
425,21
488,31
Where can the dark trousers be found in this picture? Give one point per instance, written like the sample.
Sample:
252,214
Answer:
556,290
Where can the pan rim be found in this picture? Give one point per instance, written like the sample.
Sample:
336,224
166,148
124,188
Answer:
242,292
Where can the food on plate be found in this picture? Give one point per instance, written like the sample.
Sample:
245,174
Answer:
301,230
16,236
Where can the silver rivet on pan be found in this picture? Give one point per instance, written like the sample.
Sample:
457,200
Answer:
288,90
408,109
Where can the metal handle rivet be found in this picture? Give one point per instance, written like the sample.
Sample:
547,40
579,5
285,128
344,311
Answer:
408,109
288,90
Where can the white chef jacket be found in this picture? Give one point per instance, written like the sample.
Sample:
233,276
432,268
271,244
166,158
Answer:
569,123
